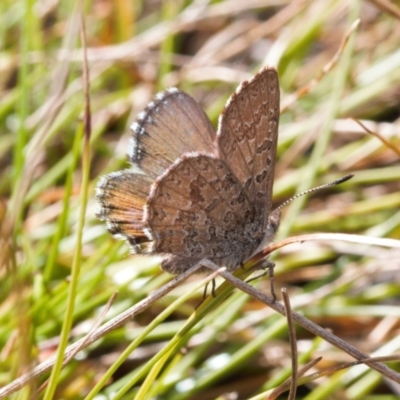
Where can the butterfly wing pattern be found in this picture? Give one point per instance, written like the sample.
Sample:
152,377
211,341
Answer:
200,194
122,195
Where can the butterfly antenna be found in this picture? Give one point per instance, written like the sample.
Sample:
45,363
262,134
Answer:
327,185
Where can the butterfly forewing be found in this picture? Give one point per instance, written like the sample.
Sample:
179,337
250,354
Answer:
171,125
247,138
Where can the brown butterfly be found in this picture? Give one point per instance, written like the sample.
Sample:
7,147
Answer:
199,194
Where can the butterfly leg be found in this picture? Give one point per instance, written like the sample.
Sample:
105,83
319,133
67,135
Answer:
204,293
267,267
206,262
213,285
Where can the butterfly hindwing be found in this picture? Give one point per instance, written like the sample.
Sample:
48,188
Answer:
198,208
122,197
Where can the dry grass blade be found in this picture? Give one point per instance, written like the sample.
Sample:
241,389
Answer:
325,70
293,345
285,386
387,6
120,320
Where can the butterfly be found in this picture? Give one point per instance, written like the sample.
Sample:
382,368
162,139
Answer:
196,193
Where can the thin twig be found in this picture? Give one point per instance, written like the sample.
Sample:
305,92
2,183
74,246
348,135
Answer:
379,136
328,237
306,324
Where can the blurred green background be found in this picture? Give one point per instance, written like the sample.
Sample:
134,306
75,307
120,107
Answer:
59,265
